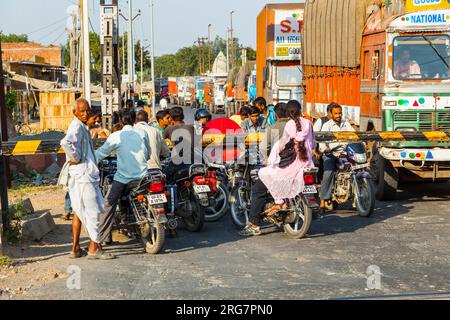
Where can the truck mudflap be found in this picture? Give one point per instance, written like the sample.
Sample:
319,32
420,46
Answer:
419,155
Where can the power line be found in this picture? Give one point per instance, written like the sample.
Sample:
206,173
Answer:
49,34
48,26
54,42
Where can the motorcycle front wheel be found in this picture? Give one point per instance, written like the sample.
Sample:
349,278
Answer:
152,234
238,211
301,223
365,203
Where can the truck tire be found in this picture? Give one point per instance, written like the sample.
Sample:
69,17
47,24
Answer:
386,179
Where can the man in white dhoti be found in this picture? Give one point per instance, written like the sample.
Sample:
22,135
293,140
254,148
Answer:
81,175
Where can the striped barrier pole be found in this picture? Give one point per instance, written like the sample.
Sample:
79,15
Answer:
16,148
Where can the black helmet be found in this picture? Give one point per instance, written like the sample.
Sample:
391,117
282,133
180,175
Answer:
202,113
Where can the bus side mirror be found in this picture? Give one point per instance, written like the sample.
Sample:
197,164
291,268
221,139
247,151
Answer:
266,74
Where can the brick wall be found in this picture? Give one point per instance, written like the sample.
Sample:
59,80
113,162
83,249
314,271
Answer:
27,50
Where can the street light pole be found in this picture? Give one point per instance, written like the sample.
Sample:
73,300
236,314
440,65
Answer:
209,47
232,40
86,51
152,50
228,50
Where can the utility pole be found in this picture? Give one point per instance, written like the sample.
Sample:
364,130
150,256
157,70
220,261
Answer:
123,53
209,47
228,50
73,39
142,63
152,52
3,163
232,40
201,53
86,50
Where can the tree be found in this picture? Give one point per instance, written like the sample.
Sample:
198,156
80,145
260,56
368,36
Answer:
14,37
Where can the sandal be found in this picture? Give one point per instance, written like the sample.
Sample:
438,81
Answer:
250,231
101,255
75,255
275,209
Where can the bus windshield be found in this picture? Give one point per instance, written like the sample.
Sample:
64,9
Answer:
289,75
422,57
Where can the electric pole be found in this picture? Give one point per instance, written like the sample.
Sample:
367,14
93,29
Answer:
228,50
209,47
73,41
152,52
86,50
232,40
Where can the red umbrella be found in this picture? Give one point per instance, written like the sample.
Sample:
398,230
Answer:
224,126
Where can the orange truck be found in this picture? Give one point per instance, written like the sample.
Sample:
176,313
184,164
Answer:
173,90
388,65
278,52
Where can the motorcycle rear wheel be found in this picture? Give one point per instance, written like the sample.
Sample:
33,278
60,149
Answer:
300,227
216,213
239,215
152,235
195,222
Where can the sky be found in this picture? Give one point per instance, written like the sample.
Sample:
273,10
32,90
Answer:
178,23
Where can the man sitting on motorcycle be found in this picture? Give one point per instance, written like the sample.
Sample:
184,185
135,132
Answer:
133,151
336,124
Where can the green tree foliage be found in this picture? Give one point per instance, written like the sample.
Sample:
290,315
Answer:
14,37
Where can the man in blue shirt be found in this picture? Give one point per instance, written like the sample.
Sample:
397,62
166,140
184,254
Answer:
133,151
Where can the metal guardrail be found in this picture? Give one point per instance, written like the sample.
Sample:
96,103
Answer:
53,146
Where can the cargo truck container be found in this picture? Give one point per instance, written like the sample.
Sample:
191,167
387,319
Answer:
390,72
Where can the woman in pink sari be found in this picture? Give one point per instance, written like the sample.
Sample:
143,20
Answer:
282,183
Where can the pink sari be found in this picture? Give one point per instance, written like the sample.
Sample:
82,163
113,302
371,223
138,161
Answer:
287,183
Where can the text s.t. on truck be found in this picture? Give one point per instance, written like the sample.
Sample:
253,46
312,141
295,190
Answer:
400,81
278,52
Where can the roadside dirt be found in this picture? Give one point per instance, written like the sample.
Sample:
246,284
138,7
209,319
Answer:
36,263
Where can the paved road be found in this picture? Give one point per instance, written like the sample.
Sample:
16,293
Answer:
406,240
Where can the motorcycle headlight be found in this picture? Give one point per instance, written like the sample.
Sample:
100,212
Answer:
360,157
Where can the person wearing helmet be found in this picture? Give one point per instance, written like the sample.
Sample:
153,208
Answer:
203,115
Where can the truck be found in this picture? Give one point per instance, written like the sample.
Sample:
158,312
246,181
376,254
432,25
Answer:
173,90
278,52
185,90
389,69
238,81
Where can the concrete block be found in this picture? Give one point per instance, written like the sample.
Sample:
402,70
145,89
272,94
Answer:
27,207
36,227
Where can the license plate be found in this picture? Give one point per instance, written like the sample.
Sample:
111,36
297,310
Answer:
201,188
157,198
360,166
310,190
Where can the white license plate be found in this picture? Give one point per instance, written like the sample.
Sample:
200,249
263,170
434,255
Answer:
157,198
360,166
201,188
310,190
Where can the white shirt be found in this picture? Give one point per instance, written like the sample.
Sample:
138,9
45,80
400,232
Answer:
163,103
86,171
332,126
158,145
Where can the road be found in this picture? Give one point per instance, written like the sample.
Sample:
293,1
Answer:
406,241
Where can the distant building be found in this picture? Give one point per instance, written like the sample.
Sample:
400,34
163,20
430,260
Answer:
31,51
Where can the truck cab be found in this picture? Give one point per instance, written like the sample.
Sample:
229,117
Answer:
405,86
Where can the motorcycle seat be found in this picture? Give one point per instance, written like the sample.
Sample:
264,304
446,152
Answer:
182,174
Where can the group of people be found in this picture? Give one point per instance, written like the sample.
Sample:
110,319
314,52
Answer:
282,124
139,144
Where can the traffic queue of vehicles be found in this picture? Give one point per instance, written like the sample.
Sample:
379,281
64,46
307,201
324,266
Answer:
388,65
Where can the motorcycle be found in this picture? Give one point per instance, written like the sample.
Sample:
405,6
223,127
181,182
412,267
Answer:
352,180
296,219
195,185
141,212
